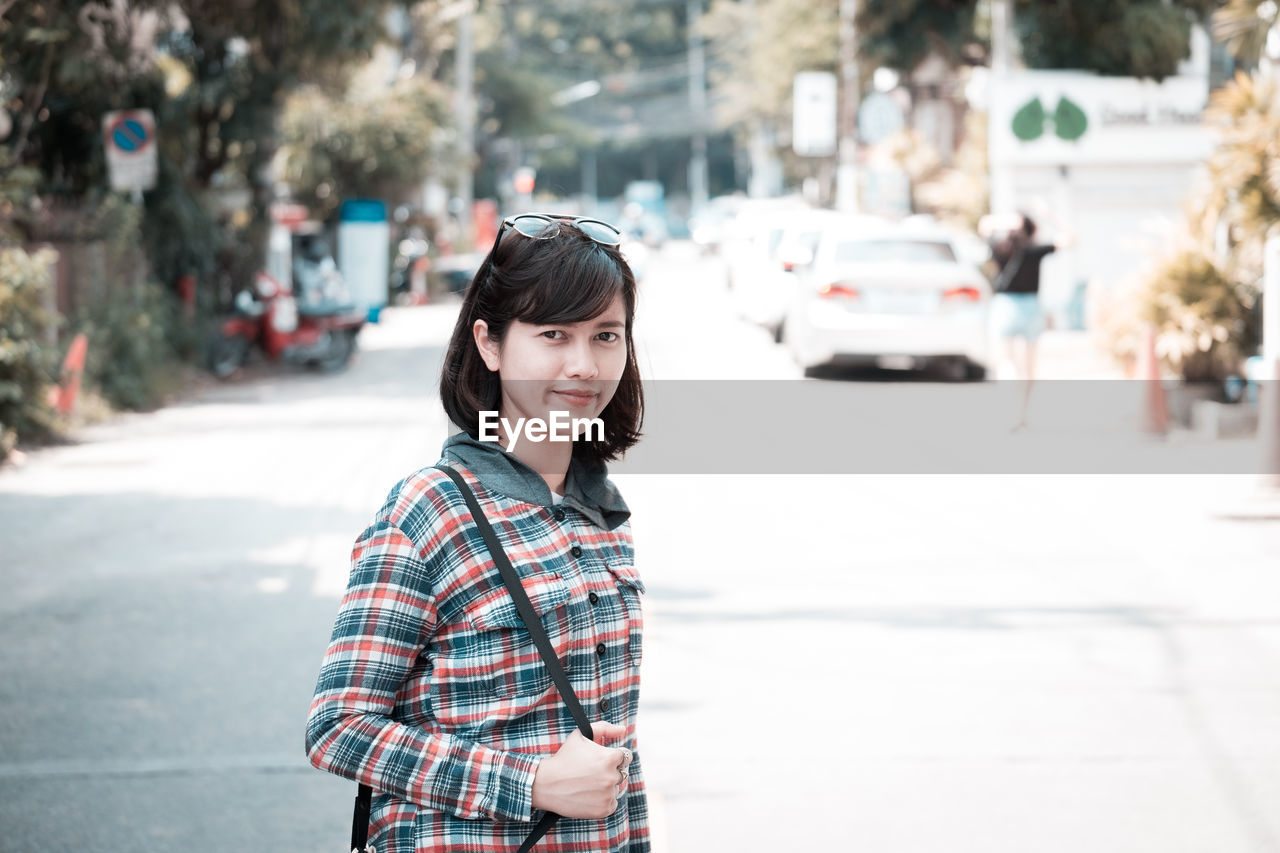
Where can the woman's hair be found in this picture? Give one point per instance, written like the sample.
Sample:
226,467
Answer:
565,279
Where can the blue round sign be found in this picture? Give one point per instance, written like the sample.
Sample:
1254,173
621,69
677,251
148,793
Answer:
129,135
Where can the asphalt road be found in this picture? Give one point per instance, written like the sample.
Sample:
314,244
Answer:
880,663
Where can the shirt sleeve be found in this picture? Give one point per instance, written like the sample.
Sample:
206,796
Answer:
387,615
637,809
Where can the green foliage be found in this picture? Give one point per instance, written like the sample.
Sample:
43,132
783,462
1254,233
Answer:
67,63
26,362
958,194
1202,318
17,197
131,357
526,53
377,144
1244,26
213,73
1244,168
759,48
901,33
1137,38
1203,297
182,234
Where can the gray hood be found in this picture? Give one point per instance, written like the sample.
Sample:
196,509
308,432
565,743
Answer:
586,489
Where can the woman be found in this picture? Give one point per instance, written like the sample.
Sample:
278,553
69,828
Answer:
1015,307
432,691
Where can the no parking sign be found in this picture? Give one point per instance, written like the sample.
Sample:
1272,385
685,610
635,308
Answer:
129,139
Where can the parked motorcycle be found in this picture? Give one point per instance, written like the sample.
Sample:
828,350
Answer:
321,335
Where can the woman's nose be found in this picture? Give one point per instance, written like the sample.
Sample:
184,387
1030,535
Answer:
580,361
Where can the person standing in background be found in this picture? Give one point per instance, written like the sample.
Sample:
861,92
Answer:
1016,313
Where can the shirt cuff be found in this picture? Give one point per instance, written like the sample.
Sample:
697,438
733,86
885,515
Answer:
511,786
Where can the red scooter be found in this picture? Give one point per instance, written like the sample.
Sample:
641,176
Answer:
321,335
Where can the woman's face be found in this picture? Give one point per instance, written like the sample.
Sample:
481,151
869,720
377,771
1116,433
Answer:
567,367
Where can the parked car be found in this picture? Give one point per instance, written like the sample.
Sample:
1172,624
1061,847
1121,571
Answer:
765,280
891,295
707,226
751,237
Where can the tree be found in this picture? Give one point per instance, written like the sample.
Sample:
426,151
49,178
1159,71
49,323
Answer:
215,74
899,34
66,63
1250,29
1136,38
527,53
366,143
757,50
242,58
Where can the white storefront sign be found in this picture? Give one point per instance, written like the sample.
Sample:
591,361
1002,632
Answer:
1073,117
1109,158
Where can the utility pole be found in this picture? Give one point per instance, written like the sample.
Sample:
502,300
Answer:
1001,197
464,106
697,107
850,99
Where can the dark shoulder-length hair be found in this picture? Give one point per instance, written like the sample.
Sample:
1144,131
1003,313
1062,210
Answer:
565,279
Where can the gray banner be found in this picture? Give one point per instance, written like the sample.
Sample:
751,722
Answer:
815,427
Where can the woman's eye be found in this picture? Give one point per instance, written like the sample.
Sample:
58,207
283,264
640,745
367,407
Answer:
608,337
552,334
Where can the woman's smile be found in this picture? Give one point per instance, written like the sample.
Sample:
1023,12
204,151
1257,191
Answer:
578,397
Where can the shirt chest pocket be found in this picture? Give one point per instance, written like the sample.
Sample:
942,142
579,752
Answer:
630,589
510,662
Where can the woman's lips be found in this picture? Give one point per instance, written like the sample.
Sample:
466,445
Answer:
576,398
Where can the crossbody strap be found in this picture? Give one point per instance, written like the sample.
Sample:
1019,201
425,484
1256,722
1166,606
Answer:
533,623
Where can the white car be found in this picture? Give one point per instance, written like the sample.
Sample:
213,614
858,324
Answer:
892,295
760,284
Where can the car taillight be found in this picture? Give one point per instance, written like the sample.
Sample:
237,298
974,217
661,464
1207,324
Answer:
962,294
838,291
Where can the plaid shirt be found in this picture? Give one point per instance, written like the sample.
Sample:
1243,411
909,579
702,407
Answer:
432,691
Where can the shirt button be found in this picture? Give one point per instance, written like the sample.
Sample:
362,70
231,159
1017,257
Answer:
593,598
559,514
604,705
600,649
575,551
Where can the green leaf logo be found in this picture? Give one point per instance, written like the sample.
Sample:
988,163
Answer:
1069,121
1028,122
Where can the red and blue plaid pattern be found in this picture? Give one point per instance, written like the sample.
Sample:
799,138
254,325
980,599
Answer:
434,694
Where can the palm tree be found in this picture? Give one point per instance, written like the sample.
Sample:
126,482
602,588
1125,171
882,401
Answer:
1250,29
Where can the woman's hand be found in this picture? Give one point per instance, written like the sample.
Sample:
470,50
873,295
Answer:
584,779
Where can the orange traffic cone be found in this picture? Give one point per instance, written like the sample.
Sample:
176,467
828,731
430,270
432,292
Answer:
63,398
1155,407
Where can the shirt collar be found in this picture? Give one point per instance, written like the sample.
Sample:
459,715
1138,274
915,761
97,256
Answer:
586,489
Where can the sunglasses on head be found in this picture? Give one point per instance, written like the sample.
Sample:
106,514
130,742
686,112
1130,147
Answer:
544,226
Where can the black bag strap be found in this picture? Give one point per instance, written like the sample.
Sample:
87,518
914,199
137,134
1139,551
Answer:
533,623
360,819
1011,268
